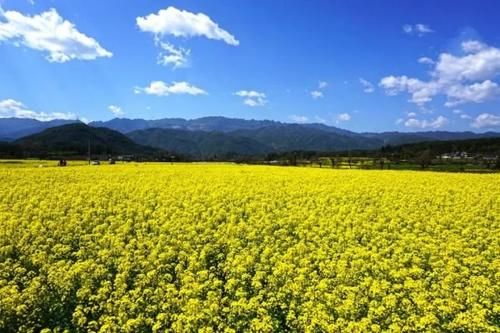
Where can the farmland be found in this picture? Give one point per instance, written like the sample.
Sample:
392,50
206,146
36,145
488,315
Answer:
226,248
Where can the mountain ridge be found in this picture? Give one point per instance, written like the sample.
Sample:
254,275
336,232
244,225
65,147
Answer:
249,141
208,137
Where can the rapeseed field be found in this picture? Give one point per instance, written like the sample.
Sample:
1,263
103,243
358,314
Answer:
226,248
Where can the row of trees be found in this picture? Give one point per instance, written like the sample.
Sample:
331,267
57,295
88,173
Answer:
380,160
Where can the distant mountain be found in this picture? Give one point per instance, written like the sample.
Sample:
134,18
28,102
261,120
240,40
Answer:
330,129
249,142
199,144
14,128
73,140
289,137
218,124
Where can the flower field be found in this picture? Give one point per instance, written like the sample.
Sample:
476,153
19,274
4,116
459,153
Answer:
224,248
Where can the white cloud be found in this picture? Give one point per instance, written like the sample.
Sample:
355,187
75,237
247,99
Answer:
486,120
160,88
299,119
367,86
176,57
412,114
181,23
473,46
422,92
315,94
418,29
439,122
461,114
407,28
11,108
344,117
481,65
462,79
116,110
426,61
252,98
49,32
249,93
474,93
399,121
322,84
422,28
319,120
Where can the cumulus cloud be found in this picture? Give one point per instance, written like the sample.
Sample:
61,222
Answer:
467,78
486,120
315,94
299,119
482,64
10,108
344,117
422,92
412,114
160,88
424,124
474,93
49,32
252,98
367,86
181,23
418,29
116,110
176,57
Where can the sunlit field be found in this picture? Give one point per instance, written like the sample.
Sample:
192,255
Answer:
226,248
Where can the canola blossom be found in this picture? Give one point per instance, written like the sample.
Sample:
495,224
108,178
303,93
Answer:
225,248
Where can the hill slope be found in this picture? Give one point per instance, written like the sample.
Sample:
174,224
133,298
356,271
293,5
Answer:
250,142
199,144
73,139
289,137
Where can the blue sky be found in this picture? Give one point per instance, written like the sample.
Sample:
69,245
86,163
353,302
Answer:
360,65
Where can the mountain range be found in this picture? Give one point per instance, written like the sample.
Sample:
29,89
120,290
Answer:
210,137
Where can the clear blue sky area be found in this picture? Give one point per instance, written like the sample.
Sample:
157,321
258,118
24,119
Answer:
359,65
